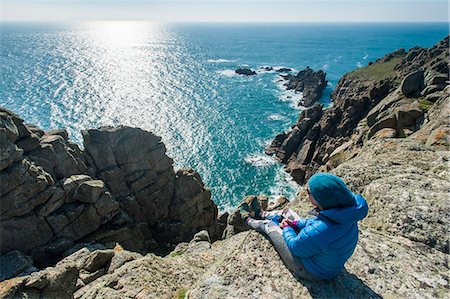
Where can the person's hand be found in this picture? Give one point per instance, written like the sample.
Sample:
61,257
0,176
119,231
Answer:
285,223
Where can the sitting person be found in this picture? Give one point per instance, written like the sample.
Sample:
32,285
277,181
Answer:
316,248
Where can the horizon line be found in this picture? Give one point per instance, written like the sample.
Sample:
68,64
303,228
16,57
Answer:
234,22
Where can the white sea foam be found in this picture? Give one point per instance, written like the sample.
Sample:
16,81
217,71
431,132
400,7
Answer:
284,184
288,95
259,160
337,59
366,56
227,73
261,70
359,64
277,116
325,66
263,143
220,60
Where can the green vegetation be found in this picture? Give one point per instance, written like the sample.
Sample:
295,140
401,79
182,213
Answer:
181,293
425,105
178,253
377,71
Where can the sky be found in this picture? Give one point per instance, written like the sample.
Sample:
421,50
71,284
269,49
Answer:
227,10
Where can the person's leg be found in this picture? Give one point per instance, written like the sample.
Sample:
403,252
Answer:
257,225
274,234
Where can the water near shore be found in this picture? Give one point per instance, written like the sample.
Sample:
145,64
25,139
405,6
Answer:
178,81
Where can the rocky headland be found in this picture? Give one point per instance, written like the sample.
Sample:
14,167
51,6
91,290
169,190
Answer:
310,83
107,209
392,97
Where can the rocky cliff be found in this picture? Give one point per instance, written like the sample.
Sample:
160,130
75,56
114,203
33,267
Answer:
390,97
121,188
401,166
310,83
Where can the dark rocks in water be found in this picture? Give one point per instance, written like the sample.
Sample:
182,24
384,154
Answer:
309,82
121,188
266,68
284,70
370,99
245,71
279,70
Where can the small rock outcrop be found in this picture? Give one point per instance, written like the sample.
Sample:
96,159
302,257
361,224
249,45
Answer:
391,97
121,188
266,68
284,70
307,81
245,71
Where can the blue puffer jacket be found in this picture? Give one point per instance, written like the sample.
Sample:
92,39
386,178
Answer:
327,241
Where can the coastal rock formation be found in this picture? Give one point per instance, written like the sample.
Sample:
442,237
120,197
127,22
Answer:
394,94
307,81
278,70
283,70
401,167
121,188
245,71
266,68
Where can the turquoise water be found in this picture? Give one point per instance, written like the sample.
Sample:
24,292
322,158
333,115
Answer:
178,81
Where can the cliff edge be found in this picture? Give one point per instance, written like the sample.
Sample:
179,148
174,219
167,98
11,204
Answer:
121,188
392,146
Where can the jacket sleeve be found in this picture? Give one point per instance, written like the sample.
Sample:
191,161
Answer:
308,242
302,222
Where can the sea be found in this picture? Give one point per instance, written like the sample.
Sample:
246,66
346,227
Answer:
179,82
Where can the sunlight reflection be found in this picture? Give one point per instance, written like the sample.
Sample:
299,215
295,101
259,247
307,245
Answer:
136,74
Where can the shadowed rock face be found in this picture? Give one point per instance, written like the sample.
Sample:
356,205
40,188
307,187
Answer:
395,93
310,83
121,188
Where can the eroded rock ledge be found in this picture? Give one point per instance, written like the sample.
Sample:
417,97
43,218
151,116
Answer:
121,189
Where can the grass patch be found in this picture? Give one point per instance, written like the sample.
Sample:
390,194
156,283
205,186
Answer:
181,293
377,71
178,253
425,105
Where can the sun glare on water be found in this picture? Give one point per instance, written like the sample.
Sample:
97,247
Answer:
156,77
